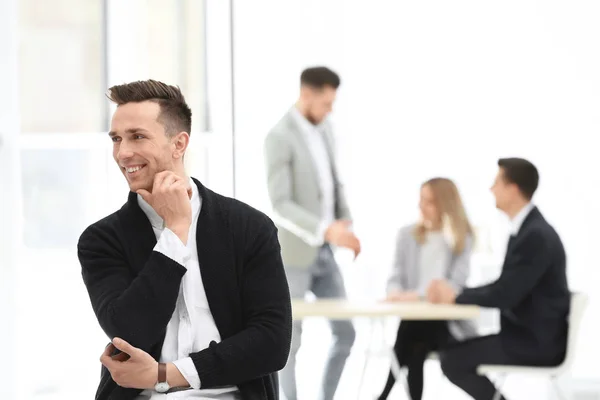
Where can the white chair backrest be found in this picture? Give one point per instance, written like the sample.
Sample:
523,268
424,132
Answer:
578,304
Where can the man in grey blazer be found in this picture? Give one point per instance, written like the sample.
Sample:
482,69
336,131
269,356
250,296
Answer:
311,211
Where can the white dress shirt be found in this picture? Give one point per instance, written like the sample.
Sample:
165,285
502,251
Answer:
192,326
517,221
315,140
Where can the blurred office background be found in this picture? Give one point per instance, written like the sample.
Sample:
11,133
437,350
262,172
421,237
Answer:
428,88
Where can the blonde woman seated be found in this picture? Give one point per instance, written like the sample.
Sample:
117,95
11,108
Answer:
438,247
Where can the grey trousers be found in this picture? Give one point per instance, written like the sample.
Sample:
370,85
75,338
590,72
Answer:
324,280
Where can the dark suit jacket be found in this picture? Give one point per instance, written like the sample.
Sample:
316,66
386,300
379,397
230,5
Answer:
133,291
531,293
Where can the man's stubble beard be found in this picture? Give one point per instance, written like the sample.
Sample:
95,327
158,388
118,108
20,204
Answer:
312,119
161,167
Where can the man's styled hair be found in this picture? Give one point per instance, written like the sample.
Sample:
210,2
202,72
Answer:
175,114
319,77
522,173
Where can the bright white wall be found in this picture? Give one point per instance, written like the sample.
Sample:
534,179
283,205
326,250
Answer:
437,88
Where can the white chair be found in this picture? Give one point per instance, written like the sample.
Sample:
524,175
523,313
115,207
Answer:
578,305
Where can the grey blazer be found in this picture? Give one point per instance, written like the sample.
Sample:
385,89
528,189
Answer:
405,272
295,193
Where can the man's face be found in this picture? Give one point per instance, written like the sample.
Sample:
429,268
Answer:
140,146
503,191
319,103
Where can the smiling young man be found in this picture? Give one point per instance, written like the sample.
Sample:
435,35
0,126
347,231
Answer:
189,285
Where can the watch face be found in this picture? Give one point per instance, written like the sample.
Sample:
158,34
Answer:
162,387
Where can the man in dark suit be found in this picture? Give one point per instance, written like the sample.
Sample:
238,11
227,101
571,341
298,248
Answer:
531,292
188,285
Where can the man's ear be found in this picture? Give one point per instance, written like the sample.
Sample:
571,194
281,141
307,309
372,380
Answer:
515,189
180,142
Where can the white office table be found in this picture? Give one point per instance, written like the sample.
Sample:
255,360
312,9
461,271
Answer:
378,311
346,309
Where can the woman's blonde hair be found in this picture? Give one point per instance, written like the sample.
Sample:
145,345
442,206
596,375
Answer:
450,207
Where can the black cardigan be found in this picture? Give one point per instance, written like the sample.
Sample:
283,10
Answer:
133,291
531,293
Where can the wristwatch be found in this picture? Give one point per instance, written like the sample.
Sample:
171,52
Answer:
162,386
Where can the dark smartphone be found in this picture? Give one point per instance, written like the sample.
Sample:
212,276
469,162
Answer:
117,354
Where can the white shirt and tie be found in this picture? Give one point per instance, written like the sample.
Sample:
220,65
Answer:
192,326
314,138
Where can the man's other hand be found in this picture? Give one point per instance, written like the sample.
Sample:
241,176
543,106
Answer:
339,234
139,370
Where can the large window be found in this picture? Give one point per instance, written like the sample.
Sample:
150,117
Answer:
69,52
162,40
84,46
61,65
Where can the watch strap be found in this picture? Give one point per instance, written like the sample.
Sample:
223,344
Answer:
162,372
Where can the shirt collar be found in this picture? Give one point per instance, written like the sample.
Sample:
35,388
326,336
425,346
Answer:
155,220
518,219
